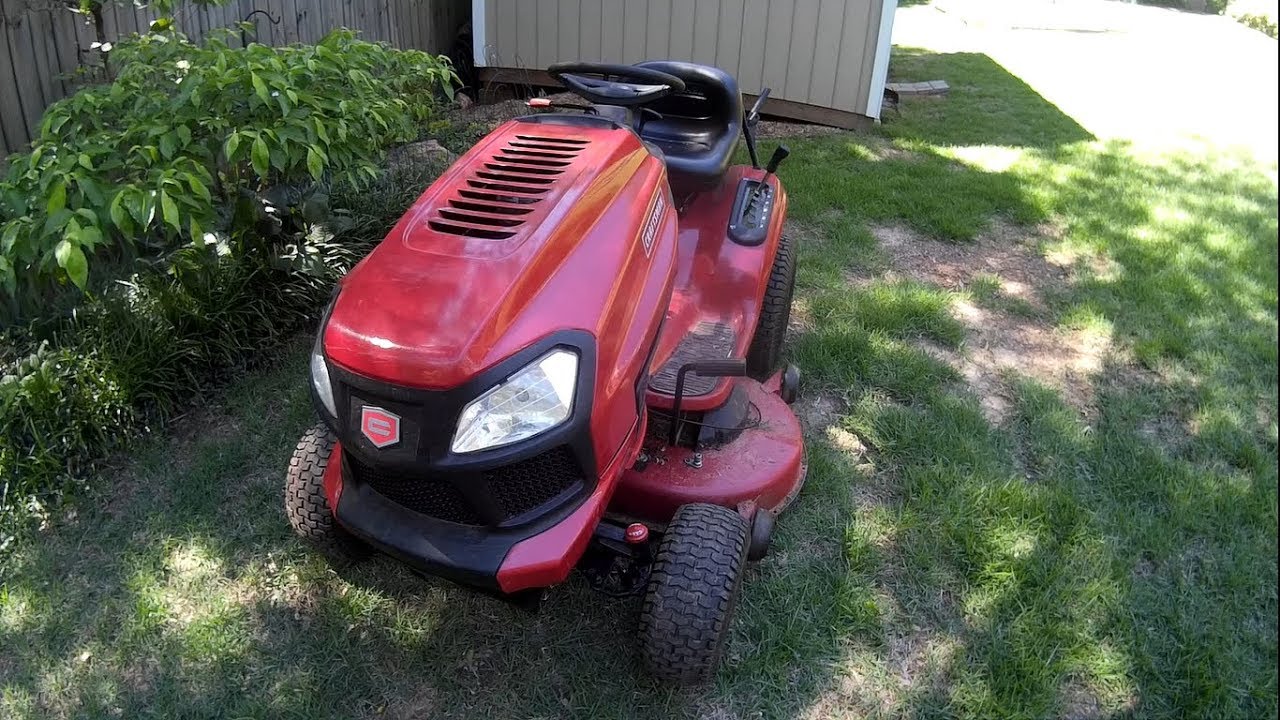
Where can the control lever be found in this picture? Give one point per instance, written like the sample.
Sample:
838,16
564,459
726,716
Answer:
749,120
732,367
753,115
782,153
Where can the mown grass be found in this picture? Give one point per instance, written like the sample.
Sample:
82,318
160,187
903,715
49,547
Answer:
1119,562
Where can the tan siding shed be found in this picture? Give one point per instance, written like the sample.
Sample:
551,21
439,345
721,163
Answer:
823,53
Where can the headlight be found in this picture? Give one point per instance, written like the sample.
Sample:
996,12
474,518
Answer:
320,380
532,401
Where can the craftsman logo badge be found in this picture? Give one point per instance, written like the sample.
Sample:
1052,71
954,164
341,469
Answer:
379,426
651,225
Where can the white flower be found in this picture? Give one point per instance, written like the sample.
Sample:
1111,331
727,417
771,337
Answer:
184,65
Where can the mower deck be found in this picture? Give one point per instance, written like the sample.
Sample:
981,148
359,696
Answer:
762,468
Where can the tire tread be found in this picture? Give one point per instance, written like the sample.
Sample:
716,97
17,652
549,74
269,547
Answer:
305,502
765,354
686,613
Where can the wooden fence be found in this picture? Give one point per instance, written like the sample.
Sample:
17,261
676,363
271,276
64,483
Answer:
43,43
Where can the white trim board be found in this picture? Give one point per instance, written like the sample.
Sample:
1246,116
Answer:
479,42
880,69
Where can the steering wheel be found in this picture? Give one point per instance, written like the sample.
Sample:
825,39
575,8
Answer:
632,86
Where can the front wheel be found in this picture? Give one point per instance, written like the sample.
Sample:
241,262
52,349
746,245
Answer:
684,621
308,508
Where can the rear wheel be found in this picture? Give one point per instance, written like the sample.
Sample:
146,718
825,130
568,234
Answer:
684,621
306,505
764,356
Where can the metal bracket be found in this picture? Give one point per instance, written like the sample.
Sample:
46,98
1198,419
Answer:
733,367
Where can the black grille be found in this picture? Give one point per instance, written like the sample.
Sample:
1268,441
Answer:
523,486
433,497
516,489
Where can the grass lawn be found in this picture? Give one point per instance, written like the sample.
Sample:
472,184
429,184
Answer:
1082,523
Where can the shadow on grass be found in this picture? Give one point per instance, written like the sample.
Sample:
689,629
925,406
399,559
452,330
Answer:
179,591
1057,565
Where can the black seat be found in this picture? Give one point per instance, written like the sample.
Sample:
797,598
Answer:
699,128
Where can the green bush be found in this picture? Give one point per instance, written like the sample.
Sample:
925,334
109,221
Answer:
184,144
144,347
59,409
173,304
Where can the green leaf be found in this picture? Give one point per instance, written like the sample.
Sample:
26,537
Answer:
57,198
139,206
120,216
198,187
260,88
169,209
9,237
90,236
184,134
7,277
72,231
232,144
196,233
90,190
56,123
85,162
71,258
55,222
261,158
168,145
315,165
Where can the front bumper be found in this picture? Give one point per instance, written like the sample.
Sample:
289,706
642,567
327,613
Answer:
502,560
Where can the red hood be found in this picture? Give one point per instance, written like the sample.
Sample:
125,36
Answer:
521,237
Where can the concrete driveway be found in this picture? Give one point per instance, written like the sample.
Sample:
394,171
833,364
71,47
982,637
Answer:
1146,74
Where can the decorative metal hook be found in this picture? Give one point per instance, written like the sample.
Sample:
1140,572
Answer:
244,39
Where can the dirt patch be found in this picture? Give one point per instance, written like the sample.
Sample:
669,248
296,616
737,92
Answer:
421,703
1005,252
921,658
1002,345
784,129
818,411
846,442
1079,703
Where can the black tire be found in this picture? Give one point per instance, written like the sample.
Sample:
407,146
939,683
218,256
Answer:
764,357
684,621
306,505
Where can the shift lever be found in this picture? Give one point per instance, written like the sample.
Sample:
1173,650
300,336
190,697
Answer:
778,156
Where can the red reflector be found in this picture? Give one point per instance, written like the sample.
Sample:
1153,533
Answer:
539,102
637,533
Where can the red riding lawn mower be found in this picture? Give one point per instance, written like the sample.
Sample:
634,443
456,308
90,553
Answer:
568,354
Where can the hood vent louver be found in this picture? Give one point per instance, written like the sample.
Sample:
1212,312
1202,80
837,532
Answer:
505,187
